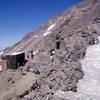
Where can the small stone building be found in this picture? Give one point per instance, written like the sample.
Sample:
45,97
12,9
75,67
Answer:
13,60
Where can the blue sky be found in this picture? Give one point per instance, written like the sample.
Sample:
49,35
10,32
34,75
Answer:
18,17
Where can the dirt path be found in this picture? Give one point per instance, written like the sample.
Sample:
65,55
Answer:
19,87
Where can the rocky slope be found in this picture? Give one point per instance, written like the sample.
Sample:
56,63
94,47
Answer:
67,23
58,47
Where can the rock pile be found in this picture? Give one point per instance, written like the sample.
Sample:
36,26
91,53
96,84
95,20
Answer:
64,72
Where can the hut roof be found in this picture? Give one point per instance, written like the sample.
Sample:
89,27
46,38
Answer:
14,53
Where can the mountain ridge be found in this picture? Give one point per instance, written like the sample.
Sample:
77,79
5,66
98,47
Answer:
58,18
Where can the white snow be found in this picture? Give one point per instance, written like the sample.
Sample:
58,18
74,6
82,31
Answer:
46,33
49,29
35,52
1,52
52,26
90,84
88,88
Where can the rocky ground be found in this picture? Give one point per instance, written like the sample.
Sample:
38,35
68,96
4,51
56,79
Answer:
13,84
59,46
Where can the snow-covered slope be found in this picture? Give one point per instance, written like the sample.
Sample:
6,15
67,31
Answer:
90,84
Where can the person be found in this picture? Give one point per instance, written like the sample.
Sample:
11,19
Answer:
51,54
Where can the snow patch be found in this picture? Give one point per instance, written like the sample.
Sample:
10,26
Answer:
46,33
35,52
90,84
53,25
49,29
1,52
75,96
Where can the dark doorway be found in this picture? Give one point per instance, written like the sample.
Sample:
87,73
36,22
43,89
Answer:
20,59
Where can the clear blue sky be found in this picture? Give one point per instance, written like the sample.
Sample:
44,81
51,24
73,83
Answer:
18,17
